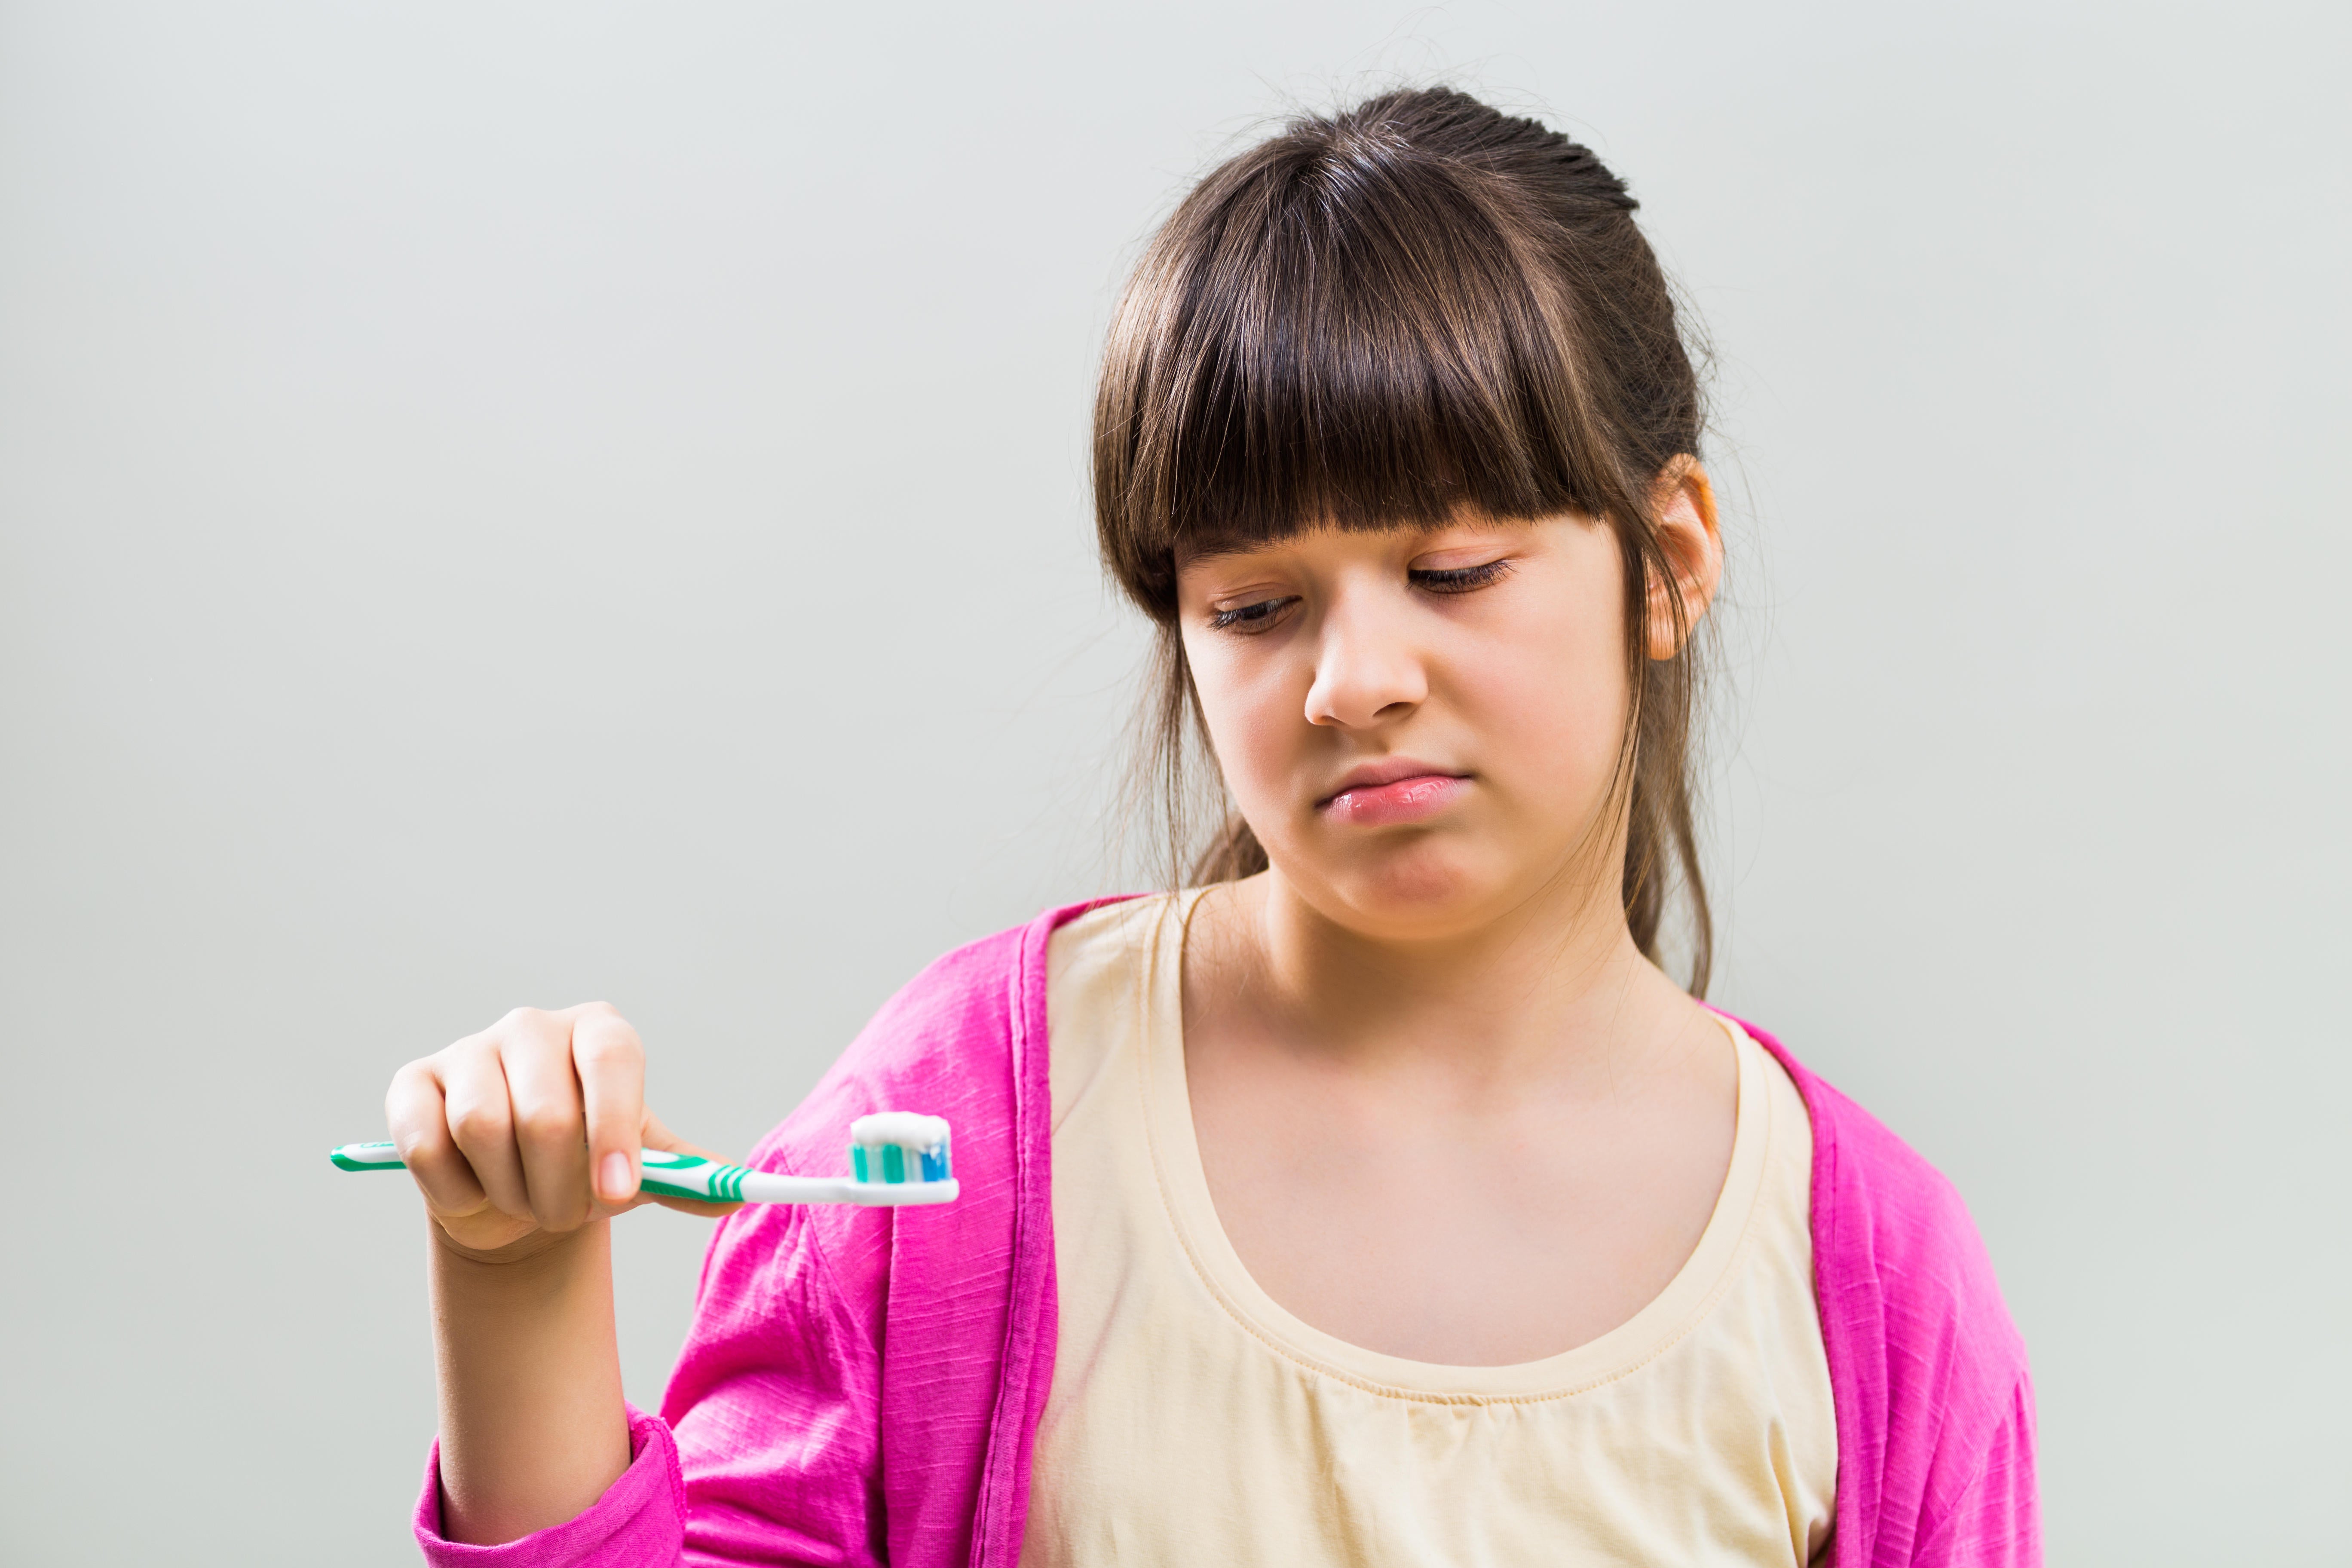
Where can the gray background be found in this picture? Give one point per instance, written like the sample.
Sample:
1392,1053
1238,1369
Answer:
512,503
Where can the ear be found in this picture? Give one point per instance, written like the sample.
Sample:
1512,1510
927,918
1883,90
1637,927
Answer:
1682,502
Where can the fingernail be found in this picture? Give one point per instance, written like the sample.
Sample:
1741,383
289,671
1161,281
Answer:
615,1181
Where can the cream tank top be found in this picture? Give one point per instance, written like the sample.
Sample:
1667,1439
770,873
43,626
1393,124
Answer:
1192,1421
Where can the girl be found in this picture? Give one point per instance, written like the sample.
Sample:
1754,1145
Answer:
1380,1199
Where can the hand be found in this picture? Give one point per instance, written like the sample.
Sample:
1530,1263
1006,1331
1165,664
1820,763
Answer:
530,1129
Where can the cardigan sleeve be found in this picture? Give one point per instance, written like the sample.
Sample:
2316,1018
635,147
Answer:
1935,1403
636,1524
1995,1521
776,1445
776,1398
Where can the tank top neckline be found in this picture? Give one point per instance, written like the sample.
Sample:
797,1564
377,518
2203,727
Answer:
1183,1183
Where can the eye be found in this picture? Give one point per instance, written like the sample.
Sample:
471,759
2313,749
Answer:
1459,579
1251,619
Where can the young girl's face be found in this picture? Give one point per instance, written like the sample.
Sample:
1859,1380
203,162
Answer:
1420,725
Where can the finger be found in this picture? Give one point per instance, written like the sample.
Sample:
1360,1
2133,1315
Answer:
610,1062
418,1116
481,1121
549,1123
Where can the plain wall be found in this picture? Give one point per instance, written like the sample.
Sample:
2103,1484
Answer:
508,504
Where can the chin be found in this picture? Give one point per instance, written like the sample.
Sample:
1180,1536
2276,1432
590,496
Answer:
1426,888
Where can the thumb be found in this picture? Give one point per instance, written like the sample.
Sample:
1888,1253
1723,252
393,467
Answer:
655,1135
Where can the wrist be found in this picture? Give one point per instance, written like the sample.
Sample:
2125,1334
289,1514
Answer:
533,1422
544,1248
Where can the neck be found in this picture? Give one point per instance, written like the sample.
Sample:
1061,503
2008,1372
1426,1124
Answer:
1552,987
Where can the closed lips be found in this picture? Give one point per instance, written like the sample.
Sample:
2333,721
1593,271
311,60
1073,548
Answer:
1399,791
1387,770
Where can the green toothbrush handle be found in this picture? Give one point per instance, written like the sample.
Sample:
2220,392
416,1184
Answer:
711,1180
671,1175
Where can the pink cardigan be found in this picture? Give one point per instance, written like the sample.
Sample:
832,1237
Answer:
862,1387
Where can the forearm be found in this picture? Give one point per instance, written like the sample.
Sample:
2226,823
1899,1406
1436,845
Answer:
534,1429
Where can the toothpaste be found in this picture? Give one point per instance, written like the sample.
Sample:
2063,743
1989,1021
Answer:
906,1129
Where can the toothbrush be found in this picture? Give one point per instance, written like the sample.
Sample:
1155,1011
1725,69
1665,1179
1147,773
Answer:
895,1158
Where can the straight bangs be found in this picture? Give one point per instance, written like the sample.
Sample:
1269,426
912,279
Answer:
1350,337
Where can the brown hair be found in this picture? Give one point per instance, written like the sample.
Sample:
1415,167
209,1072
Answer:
1377,317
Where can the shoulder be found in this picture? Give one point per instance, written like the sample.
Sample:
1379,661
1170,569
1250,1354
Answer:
1889,1227
1928,1369
952,1042
1101,946
942,1045
949,1031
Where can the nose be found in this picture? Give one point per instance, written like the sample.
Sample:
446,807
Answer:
1367,671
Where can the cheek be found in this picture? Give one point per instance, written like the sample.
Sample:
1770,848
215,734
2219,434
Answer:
1252,713
1550,704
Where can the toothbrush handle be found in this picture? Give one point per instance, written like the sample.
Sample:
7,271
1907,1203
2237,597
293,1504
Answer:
692,1176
